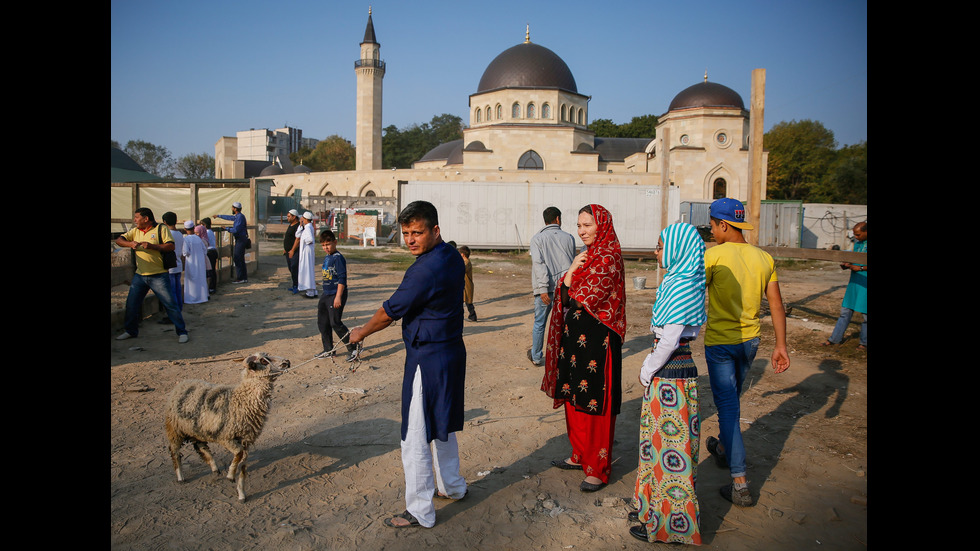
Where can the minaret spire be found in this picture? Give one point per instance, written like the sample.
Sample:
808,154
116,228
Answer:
370,71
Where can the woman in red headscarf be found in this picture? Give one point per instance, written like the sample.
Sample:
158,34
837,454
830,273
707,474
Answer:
583,364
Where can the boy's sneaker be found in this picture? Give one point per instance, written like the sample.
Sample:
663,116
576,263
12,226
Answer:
325,354
355,355
740,497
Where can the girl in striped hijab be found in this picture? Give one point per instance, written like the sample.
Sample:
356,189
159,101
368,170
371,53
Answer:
667,507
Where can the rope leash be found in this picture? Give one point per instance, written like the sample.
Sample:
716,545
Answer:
332,354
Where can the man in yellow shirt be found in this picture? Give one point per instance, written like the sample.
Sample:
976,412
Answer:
738,276
150,240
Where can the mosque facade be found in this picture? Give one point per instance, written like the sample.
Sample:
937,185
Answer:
528,122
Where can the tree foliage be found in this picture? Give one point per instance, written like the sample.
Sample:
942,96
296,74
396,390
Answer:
846,180
643,126
154,159
195,166
799,155
332,153
402,147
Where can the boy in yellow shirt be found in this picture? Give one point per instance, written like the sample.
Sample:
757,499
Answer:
738,276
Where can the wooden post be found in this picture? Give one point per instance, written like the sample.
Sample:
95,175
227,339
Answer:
664,178
756,168
253,215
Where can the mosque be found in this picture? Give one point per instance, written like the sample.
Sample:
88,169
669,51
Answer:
528,122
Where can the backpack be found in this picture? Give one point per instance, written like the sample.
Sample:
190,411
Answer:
169,258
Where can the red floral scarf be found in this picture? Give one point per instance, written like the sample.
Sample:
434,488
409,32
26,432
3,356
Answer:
599,286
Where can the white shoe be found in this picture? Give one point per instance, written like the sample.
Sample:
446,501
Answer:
183,338
124,336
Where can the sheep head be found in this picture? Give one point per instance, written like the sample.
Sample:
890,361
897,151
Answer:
264,365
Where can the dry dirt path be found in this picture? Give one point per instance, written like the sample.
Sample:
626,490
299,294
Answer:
327,471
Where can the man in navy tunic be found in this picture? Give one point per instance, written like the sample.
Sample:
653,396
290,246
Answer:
429,302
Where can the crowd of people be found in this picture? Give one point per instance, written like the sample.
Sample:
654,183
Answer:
579,306
177,264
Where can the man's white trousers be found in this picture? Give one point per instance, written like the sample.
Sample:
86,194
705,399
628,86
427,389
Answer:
420,459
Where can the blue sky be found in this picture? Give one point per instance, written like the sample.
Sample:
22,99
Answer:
186,73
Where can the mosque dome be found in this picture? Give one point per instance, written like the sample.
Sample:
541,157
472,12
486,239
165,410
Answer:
707,94
527,65
271,170
301,168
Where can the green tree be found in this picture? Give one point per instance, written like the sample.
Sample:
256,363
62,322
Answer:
402,147
195,166
332,153
643,126
604,128
800,154
846,180
301,156
154,159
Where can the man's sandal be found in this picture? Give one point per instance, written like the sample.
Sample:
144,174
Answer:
412,521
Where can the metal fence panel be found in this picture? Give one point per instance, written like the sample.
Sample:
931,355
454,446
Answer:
505,215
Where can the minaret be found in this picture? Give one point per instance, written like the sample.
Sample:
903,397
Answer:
370,72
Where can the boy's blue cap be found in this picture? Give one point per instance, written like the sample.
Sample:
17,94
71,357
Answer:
731,211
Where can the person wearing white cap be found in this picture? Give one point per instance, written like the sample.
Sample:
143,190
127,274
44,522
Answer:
239,229
290,247
307,256
195,254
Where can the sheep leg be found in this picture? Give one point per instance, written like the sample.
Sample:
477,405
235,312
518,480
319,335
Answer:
175,441
205,452
240,478
237,450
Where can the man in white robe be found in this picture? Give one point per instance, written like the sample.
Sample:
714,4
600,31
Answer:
195,254
307,256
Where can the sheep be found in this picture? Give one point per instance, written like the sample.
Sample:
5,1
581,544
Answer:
233,416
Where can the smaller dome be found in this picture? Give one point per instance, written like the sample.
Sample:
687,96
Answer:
451,152
271,170
707,94
302,169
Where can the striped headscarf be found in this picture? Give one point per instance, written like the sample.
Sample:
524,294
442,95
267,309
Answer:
680,297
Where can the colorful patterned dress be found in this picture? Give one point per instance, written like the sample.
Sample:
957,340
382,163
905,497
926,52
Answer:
669,442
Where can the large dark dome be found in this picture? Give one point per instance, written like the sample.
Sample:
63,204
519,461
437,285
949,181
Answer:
707,94
527,65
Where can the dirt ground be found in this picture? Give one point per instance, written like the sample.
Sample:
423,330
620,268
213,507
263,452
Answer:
326,471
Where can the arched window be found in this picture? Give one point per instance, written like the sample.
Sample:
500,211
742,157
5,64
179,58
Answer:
580,115
515,111
546,111
720,189
488,113
530,160
478,115
531,111
500,111
564,114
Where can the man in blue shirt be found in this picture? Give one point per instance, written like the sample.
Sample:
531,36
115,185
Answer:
552,251
240,231
330,309
429,301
